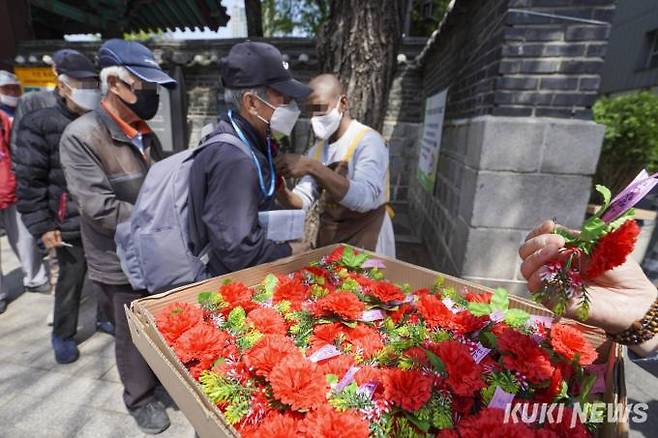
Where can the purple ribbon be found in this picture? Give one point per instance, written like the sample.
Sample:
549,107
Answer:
371,315
373,263
480,353
347,378
497,316
631,195
367,389
599,384
326,352
500,399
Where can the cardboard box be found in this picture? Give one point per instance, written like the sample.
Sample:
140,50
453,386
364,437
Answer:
207,418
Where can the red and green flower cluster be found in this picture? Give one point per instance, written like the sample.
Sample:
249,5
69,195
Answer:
336,350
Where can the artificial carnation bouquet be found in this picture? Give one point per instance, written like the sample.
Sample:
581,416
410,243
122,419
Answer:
603,243
336,350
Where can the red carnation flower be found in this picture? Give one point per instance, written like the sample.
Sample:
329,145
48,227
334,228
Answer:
434,312
408,389
569,342
491,423
336,255
546,395
397,315
205,344
524,355
268,321
291,290
465,322
474,297
343,304
236,294
268,352
612,249
326,334
562,427
176,319
337,365
275,425
368,374
385,292
299,383
364,338
464,375
329,423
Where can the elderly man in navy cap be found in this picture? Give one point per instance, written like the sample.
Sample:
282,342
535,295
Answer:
228,187
106,154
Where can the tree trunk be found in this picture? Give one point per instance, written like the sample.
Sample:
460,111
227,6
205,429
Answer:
254,14
359,43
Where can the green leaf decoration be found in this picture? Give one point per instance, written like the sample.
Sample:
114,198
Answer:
621,220
586,387
236,320
516,317
352,260
487,339
479,309
568,236
269,283
607,196
422,425
500,300
593,229
435,361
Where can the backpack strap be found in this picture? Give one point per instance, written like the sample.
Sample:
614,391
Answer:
224,137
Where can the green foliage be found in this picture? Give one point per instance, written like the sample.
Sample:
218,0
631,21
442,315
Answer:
500,302
265,289
504,380
303,327
300,17
351,260
351,398
437,412
221,390
237,320
211,301
631,137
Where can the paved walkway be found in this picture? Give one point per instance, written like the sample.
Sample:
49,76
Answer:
39,398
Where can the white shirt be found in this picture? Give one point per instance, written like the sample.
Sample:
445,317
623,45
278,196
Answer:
367,174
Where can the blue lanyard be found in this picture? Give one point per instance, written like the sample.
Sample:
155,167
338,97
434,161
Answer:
267,193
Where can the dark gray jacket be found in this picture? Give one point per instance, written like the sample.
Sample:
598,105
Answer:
224,202
32,101
104,171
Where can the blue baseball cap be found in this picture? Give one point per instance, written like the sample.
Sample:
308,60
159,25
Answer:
74,64
136,58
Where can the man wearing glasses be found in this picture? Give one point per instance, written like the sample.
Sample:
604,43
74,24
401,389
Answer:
106,154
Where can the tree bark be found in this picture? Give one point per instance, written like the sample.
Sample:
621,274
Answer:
254,14
359,43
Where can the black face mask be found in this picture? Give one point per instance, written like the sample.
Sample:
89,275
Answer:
146,105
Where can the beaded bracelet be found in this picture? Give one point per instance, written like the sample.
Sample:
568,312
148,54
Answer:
641,330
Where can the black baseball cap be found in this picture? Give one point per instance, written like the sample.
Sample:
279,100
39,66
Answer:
136,58
255,64
72,63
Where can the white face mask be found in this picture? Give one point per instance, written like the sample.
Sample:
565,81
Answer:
87,99
9,100
283,118
324,126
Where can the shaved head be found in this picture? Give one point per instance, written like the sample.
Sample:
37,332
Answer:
327,90
327,86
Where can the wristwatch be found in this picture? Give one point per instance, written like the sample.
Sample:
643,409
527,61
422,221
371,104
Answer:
641,330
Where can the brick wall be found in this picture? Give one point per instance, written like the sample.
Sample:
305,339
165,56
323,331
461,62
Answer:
518,142
498,60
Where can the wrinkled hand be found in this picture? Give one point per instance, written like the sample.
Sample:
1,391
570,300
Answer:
618,297
292,165
299,247
52,239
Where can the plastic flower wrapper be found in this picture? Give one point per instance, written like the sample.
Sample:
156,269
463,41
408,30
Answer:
604,242
336,350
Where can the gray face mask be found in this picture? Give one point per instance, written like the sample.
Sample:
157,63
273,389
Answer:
283,118
87,99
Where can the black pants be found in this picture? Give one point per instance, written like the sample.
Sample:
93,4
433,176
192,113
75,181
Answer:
137,378
70,281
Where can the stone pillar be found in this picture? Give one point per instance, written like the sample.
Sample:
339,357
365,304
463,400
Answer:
498,178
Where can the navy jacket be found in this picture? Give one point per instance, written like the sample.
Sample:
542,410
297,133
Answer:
225,198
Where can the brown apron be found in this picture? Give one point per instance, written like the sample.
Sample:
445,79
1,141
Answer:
339,224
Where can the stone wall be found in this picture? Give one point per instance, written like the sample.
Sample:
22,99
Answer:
518,142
